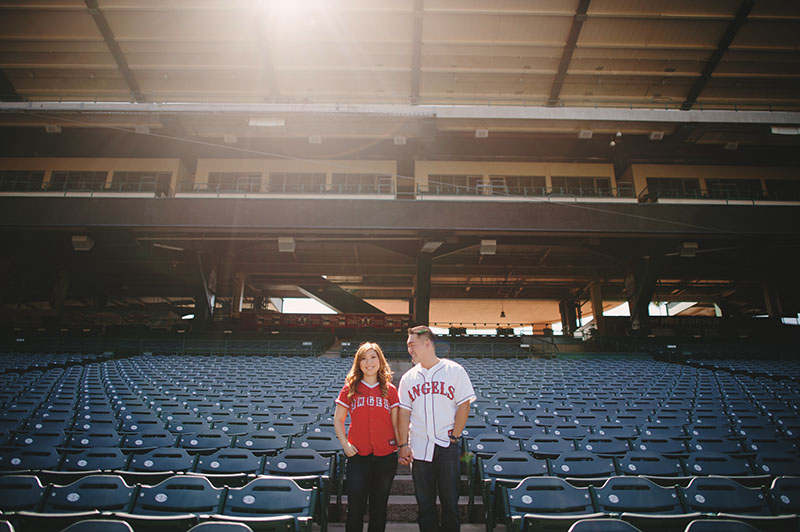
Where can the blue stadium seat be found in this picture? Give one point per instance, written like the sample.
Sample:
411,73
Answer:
228,462
84,440
602,525
548,446
505,468
583,465
487,444
713,444
522,431
603,445
719,525
30,459
162,460
99,525
264,500
149,440
777,464
175,503
546,503
661,445
703,463
784,493
647,463
96,459
643,503
20,492
205,441
262,442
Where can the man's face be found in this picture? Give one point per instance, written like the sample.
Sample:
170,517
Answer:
415,346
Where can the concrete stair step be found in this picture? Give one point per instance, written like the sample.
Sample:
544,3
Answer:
404,485
403,508
411,527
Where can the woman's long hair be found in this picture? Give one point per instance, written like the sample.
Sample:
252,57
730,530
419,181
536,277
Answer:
355,375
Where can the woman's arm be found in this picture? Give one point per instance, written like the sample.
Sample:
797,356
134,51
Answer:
338,426
394,424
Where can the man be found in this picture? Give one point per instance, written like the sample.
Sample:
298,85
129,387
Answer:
435,396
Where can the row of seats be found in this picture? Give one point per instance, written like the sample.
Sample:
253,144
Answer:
175,503
548,503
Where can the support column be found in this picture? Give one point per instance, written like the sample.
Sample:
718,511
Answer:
205,289
639,288
60,288
772,300
238,294
569,317
597,307
422,290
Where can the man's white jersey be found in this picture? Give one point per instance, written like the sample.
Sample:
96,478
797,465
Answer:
433,396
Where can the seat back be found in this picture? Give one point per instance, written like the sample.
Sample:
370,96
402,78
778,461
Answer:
179,495
96,492
20,492
548,495
718,494
269,496
636,494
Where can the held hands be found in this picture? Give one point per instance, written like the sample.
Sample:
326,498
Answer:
350,450
404,455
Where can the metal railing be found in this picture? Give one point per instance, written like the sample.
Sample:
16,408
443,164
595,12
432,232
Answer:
81,186
307,188
652,195
624,190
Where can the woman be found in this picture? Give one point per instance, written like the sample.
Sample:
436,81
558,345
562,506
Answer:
371,444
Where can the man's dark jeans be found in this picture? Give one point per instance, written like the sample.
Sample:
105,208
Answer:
443,475
369,478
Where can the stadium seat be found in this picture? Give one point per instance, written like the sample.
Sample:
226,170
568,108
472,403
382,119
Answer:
719,525
727,498
548,446
777,464
506,468
262,442
212,526
149,440
703,463
487,444
713,444
163,460
97,459
30,459
204,441
643,503
603,445
546,504
20,492
99,525
229,466
784,494
582,465
602,525
522,431
661,445
266,501
647,463
173,503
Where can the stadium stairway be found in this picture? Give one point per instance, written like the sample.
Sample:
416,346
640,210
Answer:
402,509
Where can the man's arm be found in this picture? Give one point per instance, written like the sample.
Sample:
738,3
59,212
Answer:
461,418
404,454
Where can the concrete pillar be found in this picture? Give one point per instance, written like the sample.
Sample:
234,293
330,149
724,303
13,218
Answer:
422,290
569,317
597,307
239,280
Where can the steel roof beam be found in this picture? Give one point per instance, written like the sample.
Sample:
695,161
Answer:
116,51
569,49
716,57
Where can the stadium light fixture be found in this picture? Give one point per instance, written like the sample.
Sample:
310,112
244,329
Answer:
82,243
187,317
52,128
286,244
488,247
141,128
267,122
730,146
400,140
481,133
585,134
431,246
230,138
656,135
315,139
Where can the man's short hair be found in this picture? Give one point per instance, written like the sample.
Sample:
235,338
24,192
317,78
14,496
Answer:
423,331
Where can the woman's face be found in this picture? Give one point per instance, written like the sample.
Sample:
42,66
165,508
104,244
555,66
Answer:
370,363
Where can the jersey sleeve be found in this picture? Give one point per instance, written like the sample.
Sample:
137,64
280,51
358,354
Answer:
394,397
343,399
464,390
404,401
